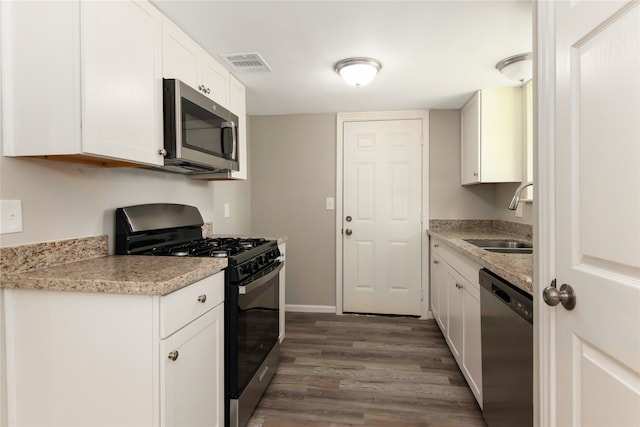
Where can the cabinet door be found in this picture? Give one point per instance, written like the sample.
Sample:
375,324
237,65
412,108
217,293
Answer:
237,105
456,312
121,80
438,291
470,141
442,295
179,55
472,350
192,385
215,78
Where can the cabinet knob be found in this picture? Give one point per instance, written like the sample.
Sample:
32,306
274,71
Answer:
208,90
174,355
435,261
435,245
202,298
201,88
162,152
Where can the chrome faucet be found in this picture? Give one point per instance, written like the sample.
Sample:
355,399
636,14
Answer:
516,197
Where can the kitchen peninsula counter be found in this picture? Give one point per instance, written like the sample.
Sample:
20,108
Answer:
515,268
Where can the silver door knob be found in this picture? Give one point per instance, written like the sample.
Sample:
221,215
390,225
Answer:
565,296
348,232
174,355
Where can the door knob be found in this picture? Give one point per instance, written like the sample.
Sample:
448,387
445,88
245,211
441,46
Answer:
565,295
348,232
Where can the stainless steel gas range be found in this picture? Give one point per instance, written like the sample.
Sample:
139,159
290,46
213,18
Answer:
251,292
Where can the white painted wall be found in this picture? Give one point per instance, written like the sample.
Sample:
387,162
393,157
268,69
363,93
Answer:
61,200
447,198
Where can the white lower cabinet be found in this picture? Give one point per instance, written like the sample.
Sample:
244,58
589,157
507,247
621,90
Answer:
455,304
80,359
192,373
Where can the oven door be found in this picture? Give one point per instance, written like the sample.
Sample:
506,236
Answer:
252,327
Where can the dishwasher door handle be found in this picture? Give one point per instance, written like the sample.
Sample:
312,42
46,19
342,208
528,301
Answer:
501,294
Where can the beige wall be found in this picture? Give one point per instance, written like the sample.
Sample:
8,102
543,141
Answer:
293,171
447,198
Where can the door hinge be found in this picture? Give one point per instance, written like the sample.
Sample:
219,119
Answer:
422,140
421,217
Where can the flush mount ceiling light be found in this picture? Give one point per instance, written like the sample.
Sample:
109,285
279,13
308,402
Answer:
358,71
517,67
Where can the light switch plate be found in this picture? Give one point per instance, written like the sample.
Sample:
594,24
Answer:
330,204
11,213
226,210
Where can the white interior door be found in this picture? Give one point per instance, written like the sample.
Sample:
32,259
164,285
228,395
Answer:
598,212
382,180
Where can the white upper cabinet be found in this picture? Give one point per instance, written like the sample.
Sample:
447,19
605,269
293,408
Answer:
90,88
491,137
184,59
237,105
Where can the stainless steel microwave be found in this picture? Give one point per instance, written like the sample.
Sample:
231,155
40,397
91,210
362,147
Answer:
200,136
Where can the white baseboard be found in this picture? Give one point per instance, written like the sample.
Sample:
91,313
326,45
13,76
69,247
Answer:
299,308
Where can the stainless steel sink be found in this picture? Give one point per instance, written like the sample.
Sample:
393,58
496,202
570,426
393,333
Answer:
510,250
503,246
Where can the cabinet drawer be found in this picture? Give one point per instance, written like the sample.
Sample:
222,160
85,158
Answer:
463,265
186,304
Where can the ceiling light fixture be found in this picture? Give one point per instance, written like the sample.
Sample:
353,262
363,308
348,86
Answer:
518,68
358,71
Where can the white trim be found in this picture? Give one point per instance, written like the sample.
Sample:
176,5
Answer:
302,308
341,118
544,267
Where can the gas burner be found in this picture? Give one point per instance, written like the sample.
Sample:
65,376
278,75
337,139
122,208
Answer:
245,244
218,254
181,252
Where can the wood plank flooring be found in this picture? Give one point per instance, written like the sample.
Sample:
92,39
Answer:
352,370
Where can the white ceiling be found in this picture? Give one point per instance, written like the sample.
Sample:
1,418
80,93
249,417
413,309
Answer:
434,54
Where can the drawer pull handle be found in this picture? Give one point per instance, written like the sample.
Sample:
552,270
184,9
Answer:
174,355
202,298
436,245
435,261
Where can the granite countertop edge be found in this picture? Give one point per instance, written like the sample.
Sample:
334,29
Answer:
117,274
515,268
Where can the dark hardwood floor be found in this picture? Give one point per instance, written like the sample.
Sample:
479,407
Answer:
355,370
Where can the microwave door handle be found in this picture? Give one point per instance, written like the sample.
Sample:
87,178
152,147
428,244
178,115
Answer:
243,290
234,140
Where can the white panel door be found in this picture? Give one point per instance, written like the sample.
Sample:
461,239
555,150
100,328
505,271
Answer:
383,198
598,212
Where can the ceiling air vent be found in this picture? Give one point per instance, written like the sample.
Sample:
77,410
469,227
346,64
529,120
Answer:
246,61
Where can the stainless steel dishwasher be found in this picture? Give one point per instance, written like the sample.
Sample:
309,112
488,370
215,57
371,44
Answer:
506,315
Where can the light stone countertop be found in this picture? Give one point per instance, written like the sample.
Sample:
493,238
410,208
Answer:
514,268
121,274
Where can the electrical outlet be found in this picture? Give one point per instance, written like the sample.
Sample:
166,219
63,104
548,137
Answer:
11,213
226,210
519,210
330,203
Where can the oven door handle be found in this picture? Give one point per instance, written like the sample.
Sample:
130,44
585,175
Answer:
243,290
